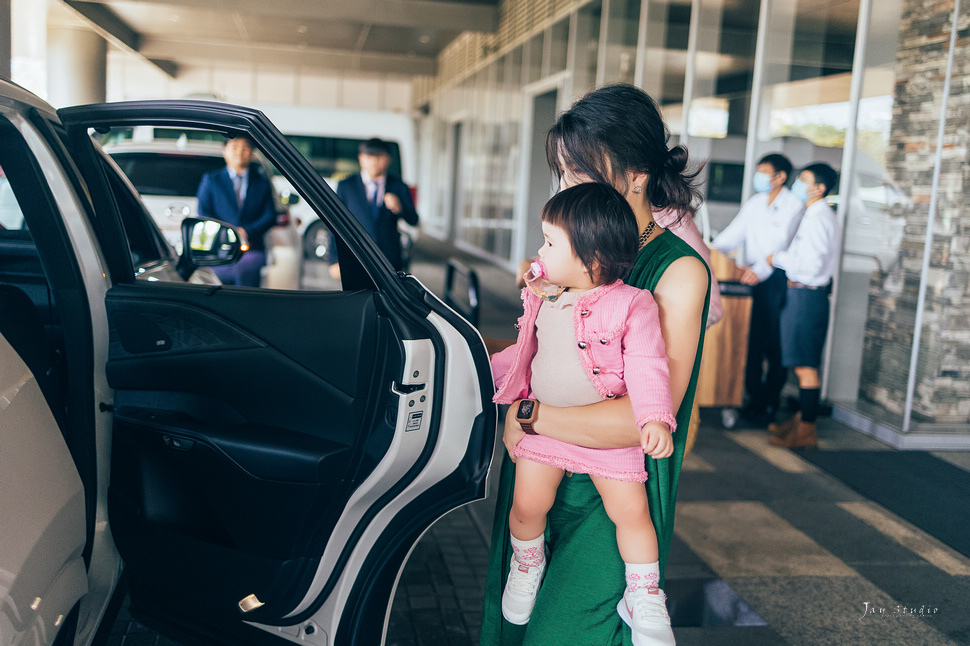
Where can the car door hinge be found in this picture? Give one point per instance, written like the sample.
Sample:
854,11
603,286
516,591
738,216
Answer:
106,408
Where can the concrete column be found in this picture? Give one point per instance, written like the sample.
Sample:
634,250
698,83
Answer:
5,39
77,66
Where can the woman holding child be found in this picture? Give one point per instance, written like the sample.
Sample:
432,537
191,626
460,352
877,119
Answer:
614,135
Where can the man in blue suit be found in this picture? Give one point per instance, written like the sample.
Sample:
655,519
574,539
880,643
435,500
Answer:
242,195
378,200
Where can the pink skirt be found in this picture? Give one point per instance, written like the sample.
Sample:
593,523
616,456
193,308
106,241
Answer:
626,464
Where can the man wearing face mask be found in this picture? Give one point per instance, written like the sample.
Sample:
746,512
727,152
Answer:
765,225
809,264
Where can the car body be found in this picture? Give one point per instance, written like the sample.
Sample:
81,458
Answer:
255,482
167,173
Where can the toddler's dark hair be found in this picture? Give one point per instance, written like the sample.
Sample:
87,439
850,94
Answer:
601,227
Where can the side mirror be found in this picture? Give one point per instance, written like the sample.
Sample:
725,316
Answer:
209,243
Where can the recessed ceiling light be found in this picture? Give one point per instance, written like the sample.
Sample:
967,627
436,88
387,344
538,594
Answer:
425,39
302,29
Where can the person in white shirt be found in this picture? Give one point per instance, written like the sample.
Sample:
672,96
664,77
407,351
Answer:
809,263
765,224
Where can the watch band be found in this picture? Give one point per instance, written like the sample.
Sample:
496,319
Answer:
526,415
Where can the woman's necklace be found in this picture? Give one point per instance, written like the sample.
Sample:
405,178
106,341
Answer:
646,234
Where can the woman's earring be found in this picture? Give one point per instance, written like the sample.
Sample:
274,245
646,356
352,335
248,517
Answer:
636,189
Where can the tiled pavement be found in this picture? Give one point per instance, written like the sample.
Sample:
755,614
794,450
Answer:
768,550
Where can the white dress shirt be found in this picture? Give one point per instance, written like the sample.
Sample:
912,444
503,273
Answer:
812,257
763,229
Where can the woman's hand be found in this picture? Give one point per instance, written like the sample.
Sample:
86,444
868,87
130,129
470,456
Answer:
655,440
513,431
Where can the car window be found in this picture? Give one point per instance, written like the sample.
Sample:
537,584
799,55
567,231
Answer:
11,215
170,174
22,200
335,158
144,240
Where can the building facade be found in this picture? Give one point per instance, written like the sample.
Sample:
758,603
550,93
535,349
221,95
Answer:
876,89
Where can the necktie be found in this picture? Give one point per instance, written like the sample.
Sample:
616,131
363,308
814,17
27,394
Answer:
375,204
237,183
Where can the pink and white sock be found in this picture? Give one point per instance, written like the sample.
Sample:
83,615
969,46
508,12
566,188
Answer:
642,575
529,553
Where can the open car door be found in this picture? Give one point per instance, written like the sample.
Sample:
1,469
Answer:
276,455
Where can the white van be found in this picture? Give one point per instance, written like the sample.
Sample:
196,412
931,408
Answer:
329,138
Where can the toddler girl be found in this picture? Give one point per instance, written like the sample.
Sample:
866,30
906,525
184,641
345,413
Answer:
585,336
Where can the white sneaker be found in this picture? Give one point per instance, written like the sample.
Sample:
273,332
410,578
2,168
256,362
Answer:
521,589
645,612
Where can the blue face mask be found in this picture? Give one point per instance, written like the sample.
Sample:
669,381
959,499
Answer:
800,190
762,182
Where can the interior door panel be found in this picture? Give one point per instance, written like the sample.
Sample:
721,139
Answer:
239,435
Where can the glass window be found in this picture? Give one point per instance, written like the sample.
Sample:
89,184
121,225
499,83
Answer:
587,47
875,305
660,67
622,32
533,69
559,47
720,99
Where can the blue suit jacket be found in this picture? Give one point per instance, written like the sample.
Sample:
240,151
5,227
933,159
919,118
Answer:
217,199
381,226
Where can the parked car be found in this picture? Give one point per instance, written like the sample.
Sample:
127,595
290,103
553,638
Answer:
167,174
243,479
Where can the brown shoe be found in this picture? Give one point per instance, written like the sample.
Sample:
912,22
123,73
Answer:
803,435
785,428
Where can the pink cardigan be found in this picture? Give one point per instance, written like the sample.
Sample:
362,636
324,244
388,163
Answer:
620,347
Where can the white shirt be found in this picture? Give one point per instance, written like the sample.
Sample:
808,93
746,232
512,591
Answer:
763,229
812,257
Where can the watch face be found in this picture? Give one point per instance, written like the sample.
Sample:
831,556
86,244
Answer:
525,409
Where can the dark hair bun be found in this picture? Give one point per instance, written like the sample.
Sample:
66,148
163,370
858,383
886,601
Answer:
676,159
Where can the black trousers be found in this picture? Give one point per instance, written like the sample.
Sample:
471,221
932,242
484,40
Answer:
763,383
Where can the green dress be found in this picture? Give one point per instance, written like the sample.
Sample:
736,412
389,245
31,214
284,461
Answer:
584,577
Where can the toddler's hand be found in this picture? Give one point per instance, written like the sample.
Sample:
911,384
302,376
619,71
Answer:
655,440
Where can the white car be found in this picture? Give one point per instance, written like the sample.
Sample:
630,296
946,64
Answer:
244,476
167,174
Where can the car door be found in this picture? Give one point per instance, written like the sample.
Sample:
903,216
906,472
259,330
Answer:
275,455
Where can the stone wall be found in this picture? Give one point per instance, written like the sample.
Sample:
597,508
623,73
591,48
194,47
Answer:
943,371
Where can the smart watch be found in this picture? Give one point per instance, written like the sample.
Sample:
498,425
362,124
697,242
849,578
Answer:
527,414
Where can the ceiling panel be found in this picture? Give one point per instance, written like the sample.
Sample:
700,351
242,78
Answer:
392,36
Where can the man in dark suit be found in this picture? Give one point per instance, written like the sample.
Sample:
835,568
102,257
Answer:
378,200
242,195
